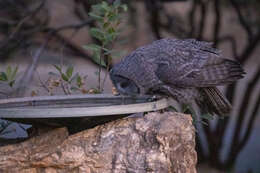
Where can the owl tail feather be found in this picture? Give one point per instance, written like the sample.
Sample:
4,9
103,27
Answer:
214,102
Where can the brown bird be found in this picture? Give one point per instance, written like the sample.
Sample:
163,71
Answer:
186,70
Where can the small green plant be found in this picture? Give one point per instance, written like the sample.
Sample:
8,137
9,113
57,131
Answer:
67,80
8,79
9,76
108,18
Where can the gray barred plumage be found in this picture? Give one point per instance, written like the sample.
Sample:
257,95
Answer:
187,70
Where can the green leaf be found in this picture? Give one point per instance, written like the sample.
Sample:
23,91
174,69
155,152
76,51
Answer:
173,108
105,6
115,53
96,58
69,72
118,54
12,77
112,17
97,33
207,116
79,81
11,84
105,49
124,7
74,77
53,74
57,67
185,108
93,47
8,72
106,25
73,88
96,7
95,16
3,76
110,37
64,77
116,3
111,30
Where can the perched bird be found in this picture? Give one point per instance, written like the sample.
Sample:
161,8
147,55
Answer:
186,70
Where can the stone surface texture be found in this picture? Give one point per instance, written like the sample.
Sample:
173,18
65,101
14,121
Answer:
157,142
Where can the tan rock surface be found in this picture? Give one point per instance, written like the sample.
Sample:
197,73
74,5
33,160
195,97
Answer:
154,143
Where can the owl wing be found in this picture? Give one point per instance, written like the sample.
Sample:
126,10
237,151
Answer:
197,68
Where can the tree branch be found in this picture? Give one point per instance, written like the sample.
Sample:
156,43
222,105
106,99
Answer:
233,43
217,25
203,12
30,71
191,18
242,20
249,49
250,124
153,7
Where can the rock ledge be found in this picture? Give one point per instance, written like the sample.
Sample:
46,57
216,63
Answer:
157,142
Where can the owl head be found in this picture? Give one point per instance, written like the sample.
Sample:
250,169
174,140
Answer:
124,85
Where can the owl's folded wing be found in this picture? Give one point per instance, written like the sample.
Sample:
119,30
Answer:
206,73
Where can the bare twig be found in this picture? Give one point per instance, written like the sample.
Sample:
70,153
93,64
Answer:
20,27
107,71
99,68
64,88
67,27
236,143
249,49
242,20
42,83
233,43
203,12
153,7
78,50
250,124
30,70
192,17
217,22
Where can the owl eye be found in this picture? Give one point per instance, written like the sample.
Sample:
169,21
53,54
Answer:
123,84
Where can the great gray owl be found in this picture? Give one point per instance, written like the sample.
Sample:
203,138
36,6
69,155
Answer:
187,70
